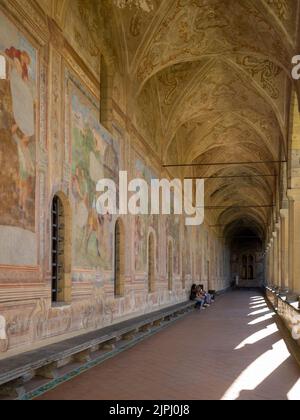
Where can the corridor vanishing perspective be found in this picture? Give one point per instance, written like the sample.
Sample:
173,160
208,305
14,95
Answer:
236,354
149,148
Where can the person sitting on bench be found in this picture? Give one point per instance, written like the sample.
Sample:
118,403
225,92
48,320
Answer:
195,296
206,296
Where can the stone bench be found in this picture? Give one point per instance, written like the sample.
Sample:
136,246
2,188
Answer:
46,362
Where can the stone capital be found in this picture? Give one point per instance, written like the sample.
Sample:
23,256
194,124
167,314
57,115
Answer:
284,213
294,194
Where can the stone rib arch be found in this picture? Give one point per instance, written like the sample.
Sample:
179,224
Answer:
276,15
265,25
227,218
196,149
177,109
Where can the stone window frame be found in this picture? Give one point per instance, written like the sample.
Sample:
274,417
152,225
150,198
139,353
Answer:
170,262
151,261
119,257
65,294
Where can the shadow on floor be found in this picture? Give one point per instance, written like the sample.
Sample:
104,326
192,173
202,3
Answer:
232,351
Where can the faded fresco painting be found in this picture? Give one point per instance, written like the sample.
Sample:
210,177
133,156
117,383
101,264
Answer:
173,231
187,251
142,222
95,155
18,82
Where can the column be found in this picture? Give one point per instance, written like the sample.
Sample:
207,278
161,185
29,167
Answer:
267,266
294,240
278,255
271,275
275,259
284,245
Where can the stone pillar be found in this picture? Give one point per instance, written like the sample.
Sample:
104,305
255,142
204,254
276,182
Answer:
284,245
271,264
267,267
275,259
294,240
278,231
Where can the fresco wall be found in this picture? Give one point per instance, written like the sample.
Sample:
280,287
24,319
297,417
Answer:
51,141
95,155
18,118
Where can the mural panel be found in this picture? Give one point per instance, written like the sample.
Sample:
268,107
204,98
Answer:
95,155
18,90
173,231
187,251
143,223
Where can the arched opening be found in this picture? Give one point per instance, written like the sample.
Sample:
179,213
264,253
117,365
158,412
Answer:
61,250
151,263
170,266
3,70
119,259
244,267
247,264
250,273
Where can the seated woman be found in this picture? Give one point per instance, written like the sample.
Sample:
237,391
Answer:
206,296
197,297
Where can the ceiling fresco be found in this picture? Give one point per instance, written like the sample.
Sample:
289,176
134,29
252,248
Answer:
209,81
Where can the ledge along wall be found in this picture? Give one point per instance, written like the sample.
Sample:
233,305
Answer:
54,144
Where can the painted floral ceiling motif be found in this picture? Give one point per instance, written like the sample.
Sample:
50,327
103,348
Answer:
208,81
192,29
219,72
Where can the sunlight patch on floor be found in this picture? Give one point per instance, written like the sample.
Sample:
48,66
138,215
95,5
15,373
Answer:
258,336
258,371
261,319
294,393
257,299
261,305
259,312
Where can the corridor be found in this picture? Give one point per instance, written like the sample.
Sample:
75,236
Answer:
231,351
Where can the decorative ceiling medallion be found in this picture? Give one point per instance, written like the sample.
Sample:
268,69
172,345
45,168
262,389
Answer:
145,5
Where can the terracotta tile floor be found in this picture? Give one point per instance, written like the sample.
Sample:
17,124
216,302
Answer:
231,351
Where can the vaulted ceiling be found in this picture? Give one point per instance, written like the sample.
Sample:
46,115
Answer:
210,82
215,77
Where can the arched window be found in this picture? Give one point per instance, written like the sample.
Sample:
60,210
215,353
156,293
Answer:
170,266
251,267
244,267
151,263
3,75
61,250
119,259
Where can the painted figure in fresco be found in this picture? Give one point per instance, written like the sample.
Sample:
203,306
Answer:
94,226
94,156
23,127
80,189
139,241
88,218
